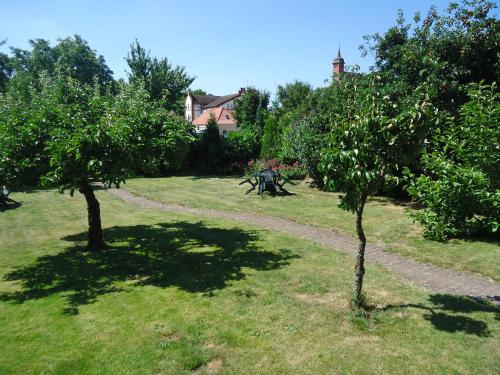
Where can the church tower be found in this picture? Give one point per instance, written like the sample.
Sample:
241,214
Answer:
338,65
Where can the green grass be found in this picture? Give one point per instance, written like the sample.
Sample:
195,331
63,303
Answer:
384,221
177,294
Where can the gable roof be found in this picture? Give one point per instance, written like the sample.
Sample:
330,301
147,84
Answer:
222,116
221,100
204,99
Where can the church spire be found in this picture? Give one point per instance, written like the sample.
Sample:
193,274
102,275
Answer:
338,64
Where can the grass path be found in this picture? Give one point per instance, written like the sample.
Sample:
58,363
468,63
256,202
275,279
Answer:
385,221
434,278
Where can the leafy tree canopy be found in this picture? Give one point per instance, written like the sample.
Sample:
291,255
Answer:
250,110
162,81
461,187
199,92
293,95
368,146
71,57
5,69
86,136
455,48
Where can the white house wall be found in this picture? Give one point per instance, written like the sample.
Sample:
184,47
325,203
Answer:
188,106
228,105
198,110
225,129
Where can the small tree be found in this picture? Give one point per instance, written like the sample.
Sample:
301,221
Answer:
366,148
105,140
163,82
210,151
250,110
87,137
270,138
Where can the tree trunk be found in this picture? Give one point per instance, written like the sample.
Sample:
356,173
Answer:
360,260
96,241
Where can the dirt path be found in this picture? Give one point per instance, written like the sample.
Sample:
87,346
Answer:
431,277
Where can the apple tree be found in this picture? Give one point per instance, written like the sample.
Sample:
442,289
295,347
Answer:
368,145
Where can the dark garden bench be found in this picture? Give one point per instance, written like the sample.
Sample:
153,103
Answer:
266,180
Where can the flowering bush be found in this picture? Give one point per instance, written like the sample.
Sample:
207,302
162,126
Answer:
295,171
255,166
272,164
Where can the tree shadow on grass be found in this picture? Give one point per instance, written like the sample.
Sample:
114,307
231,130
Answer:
446,313
190,256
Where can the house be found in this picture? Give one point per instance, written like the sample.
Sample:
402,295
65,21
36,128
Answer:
224,118
199,107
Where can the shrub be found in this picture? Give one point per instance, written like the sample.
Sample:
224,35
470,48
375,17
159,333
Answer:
303,142
458,201
296,171
254,166
460,189
242,146
208,153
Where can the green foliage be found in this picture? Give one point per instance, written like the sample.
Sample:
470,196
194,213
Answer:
455,48
25,128
255,166
199,92
209,151
304,140
70,57
242,146
293,95
73,132
5,69
368,146
108,139
295,171
461,186
371,144
305,124
271,137
291,105
250,110
162,81
85,143
159,139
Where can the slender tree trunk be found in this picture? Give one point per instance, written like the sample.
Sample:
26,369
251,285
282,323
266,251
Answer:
96,241
360,260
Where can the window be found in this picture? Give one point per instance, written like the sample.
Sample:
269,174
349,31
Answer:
224,133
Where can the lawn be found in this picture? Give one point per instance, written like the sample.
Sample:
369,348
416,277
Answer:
385,221
177,294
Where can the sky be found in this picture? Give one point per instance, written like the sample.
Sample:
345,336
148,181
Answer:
225,45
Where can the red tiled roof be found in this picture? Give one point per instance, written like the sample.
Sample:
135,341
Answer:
222,116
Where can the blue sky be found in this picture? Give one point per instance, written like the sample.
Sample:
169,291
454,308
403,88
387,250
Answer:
225,44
